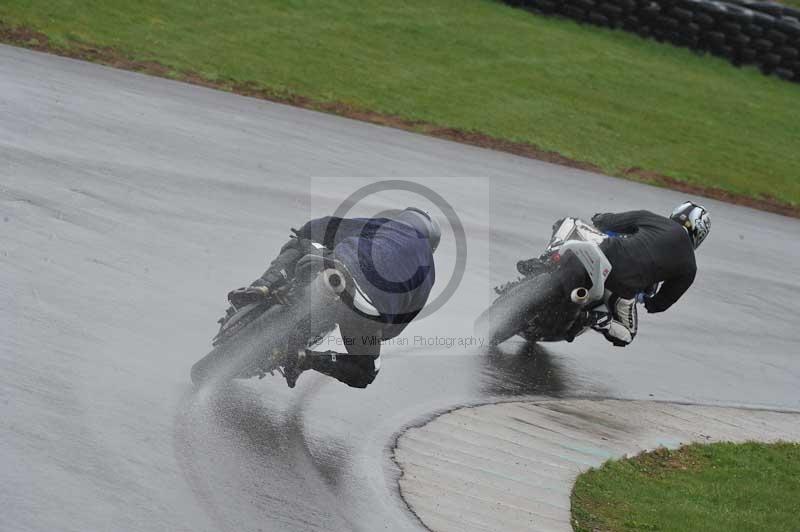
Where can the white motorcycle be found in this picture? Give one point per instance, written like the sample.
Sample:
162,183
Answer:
561,294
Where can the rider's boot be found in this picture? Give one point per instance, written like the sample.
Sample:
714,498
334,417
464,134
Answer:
296,363
625,312
279,272
357,371
622,328
531,266
282,268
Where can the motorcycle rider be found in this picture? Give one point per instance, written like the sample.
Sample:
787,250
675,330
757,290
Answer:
390,261
645,249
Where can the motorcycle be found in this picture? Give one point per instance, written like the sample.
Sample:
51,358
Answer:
254,338
561,294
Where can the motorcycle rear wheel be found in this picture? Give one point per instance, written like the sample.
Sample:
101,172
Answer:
510,314
244,354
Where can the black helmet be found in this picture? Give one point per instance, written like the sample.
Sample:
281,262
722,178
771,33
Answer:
422,222
694,218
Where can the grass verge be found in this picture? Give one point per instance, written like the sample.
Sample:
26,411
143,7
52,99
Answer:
478,71
724,486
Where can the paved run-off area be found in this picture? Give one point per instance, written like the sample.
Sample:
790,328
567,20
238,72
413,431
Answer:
511,466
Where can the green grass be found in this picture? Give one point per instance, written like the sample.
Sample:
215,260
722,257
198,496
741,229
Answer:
595,95
719,487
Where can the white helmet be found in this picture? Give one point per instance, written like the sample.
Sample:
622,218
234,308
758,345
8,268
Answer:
694,218
424,223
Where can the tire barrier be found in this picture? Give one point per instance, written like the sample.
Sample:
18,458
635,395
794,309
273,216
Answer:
745,32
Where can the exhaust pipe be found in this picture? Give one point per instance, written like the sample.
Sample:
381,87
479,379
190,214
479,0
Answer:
334,281
579,296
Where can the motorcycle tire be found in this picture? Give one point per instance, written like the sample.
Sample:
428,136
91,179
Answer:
510,312
240,355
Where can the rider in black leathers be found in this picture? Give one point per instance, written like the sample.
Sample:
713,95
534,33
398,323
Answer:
650,249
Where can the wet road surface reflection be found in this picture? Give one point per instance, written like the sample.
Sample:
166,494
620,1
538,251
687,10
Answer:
521,368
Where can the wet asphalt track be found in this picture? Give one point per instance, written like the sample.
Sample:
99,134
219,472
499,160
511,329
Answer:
129,206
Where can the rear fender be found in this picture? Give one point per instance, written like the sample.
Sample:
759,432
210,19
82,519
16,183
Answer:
595,263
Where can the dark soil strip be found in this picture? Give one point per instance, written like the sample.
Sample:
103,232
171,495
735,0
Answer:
28,38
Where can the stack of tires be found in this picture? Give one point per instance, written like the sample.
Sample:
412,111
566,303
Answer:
745,32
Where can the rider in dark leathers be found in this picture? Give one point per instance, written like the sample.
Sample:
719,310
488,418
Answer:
390,261
648,249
